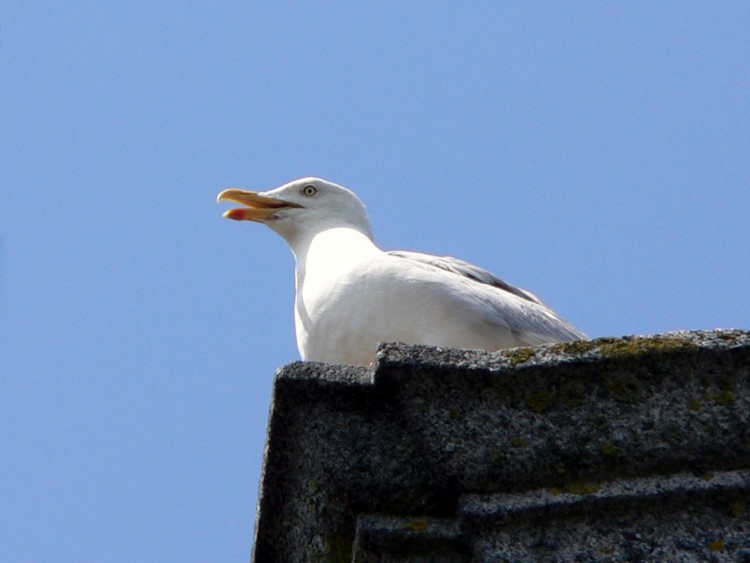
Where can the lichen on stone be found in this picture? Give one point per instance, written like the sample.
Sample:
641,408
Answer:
726,335
418,525
722,397
626,388
494,455
726,383
609,449
573,394
337,548
517,442
637,346
539,401
581,487
519,355
576,347
694,404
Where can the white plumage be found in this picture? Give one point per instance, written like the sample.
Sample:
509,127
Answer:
351,295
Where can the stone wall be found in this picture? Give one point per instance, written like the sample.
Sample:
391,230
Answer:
635,448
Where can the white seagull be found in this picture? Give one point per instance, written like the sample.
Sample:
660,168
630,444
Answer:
351,295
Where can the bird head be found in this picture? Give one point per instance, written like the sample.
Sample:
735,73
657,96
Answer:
301,207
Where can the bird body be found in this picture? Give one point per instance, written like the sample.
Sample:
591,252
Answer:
351,295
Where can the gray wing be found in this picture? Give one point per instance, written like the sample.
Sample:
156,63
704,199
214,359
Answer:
530,324
467,270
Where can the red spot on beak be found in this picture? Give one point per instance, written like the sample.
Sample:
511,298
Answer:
236,214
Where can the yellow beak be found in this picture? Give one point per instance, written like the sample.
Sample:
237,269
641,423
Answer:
260,207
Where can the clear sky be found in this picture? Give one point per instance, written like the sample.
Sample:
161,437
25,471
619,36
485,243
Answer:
597,154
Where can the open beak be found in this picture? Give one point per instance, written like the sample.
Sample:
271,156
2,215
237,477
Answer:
259,207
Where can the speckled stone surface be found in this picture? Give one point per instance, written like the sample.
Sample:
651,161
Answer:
681,517
611,449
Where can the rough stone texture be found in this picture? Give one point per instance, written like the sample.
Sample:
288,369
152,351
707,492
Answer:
678,518
612,449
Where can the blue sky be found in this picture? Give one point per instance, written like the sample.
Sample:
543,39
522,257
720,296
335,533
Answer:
596,154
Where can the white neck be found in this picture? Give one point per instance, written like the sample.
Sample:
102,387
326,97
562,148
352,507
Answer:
331,249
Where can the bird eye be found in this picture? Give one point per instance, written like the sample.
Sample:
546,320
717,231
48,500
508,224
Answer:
309,190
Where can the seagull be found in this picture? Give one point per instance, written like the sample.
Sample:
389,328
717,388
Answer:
351,295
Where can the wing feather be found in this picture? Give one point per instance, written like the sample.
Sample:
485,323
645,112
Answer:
466,270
